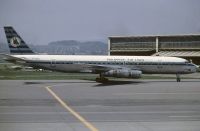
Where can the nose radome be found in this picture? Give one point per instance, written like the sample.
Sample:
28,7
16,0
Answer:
197,68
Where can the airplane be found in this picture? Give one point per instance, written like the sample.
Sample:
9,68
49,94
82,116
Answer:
105,66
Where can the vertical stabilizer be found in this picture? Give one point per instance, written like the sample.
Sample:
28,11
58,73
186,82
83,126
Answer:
15,42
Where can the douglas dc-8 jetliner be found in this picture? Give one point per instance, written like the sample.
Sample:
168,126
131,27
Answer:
105,66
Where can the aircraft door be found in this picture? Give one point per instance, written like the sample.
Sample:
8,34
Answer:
53,63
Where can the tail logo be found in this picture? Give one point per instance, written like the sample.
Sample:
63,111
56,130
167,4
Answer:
15,41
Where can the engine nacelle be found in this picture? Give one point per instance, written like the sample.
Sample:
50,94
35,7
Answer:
123,73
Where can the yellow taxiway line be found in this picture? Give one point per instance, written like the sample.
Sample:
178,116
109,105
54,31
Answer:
79,117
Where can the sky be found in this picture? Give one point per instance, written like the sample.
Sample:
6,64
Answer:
44,21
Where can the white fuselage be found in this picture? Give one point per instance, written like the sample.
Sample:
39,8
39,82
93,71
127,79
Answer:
80,63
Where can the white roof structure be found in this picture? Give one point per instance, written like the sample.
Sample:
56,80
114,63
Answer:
178,53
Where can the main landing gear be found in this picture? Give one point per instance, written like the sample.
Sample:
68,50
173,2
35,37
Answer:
178,78
101,79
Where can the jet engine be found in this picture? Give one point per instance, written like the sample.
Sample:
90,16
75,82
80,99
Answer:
123,73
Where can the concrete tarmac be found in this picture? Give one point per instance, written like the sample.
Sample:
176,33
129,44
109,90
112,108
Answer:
139,105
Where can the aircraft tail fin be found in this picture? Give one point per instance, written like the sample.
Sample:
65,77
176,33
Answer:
15,42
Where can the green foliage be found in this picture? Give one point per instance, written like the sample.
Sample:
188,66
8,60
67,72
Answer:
7,73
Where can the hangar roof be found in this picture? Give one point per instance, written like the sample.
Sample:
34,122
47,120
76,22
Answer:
178,53
144,36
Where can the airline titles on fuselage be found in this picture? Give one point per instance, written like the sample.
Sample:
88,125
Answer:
128,60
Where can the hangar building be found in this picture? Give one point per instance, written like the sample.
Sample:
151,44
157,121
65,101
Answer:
185,46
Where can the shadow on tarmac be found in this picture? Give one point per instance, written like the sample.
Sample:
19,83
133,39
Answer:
47,82
115,82
112,82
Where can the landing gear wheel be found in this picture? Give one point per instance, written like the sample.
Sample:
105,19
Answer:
101,80
178,79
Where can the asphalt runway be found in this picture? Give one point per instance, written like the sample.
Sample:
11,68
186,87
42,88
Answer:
140,105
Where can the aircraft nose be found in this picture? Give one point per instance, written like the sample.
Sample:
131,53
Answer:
197,68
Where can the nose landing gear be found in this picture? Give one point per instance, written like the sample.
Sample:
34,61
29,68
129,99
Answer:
178,78
101,79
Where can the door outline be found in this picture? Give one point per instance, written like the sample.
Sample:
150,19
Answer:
53,63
